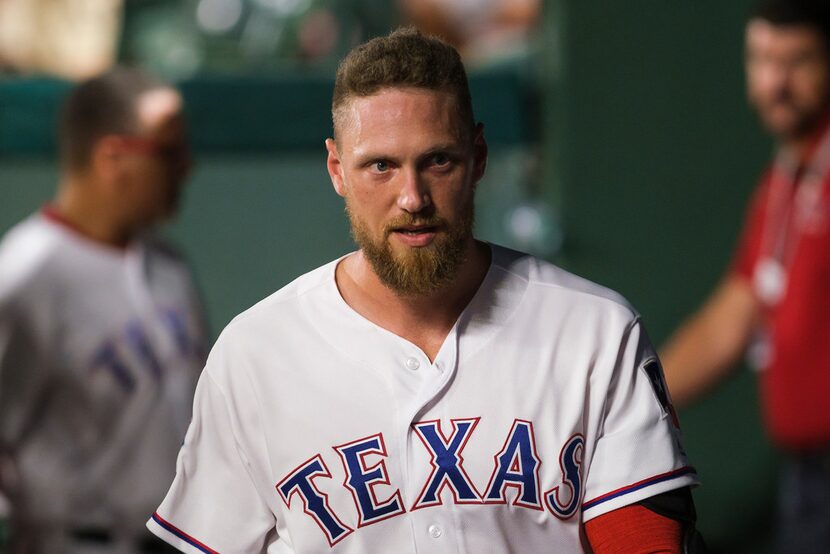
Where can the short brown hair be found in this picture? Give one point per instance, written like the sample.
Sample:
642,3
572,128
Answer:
404,58
810,13
100,106
788,13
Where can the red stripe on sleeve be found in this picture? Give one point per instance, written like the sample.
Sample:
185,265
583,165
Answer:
634,530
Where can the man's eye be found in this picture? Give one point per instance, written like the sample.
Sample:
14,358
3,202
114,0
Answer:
380,166
440,159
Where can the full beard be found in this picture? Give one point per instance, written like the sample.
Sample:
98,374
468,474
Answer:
416,271
802,122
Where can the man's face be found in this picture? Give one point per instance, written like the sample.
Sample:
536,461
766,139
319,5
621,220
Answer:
158,158
407,167
788,77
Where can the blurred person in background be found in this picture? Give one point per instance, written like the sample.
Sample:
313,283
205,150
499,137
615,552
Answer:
484,31
774,300
101,329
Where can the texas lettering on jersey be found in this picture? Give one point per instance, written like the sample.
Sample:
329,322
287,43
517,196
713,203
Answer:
129,351
515,466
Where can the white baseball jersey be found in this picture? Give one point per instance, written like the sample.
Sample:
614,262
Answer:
315,430
100,351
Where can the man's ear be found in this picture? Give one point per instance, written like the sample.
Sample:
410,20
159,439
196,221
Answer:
105,158
335,167
479,153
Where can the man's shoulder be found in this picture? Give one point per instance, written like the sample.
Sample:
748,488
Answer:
545,279
25,251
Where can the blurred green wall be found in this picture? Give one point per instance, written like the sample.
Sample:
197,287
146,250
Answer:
655,154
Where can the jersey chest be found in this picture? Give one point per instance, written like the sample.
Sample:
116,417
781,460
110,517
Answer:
485,437
115,329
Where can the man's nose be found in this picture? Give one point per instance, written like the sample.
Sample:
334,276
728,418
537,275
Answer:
776,75
414,193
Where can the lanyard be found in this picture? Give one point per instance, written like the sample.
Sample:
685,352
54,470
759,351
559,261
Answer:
793,209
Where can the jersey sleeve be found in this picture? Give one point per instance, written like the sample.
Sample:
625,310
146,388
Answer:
634,529
213,504
638,451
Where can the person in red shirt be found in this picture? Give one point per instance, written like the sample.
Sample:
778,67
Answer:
774,300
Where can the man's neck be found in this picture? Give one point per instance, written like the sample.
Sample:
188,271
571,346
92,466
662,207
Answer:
77,205
424,320
802,147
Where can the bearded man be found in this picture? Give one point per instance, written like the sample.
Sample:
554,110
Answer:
429,392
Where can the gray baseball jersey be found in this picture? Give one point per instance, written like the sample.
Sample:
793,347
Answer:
100,350
315,430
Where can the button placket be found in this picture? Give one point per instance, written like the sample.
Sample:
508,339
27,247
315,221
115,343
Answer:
431,534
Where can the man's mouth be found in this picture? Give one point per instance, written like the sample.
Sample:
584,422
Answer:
415,236
414,230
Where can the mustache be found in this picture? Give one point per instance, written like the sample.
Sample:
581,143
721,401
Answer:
407,220
783,98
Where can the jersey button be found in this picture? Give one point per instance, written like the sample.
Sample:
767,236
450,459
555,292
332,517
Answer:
435,531
412,363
